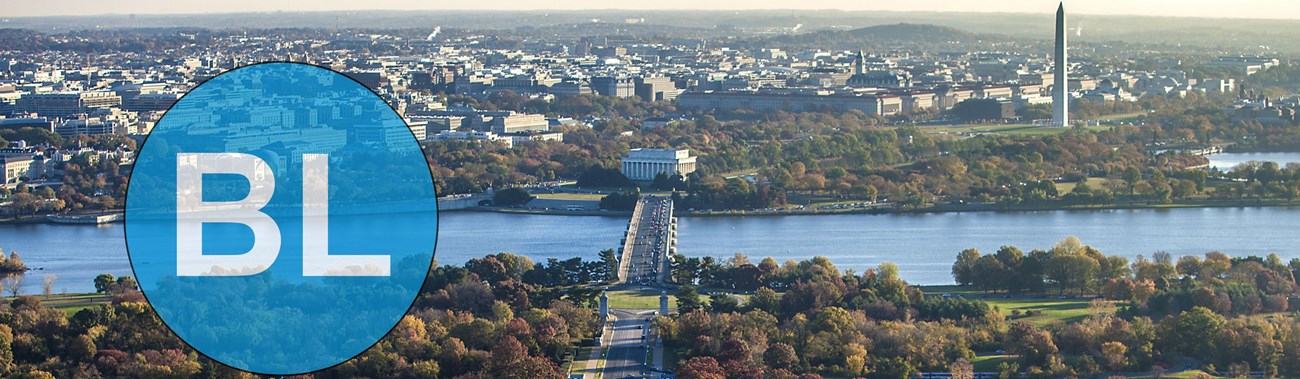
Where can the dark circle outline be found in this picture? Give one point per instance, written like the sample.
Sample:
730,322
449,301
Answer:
433,259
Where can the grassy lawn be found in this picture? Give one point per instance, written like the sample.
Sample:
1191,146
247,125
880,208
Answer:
578,364
1063,310
649,299
602,189
1180,375
1054,310
74,309
1049,130
569,196
1123,116
640,299
73,302
1095,183
972,128
989,363
1009,129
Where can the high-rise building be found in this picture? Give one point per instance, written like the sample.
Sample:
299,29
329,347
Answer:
1060,88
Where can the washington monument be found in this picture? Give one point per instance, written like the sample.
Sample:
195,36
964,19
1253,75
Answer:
1061,83
1060,87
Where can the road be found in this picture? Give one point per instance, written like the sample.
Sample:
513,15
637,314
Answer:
644,263
651,241
627,348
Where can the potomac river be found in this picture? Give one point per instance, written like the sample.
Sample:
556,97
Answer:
922,244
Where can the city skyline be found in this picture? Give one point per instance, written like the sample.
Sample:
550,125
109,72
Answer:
1260,9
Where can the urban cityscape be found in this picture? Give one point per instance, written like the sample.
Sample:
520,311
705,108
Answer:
713,194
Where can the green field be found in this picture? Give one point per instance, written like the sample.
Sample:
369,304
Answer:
1179,375
1008,129
601,189
649,298
569,196
1095,183
973,128
578,363
1123,116
640,299
1054,309
989,363
71,303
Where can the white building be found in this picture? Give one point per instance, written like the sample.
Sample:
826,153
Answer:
452,135
645,164
15,168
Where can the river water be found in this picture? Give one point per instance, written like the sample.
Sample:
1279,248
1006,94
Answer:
1227,161
923,245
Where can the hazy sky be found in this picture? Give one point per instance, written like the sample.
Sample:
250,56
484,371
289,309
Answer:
1275,9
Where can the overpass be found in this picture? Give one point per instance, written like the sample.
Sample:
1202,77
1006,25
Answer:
649,243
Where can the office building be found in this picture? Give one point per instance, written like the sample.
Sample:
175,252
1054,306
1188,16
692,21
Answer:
614,86
793,101
511,122
66,104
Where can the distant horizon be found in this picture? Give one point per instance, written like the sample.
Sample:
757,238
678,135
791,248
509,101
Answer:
1209,9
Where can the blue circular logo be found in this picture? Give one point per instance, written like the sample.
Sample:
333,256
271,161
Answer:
281,218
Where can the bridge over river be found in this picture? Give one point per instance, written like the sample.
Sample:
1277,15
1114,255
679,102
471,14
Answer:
649,243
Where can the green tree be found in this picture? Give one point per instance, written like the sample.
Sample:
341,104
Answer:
781,355
963,270
722,303
511,197
766,300
1192,332
688,299
104,283
1033,345
1131,176
608,264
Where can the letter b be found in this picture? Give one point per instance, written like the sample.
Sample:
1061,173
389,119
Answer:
192,212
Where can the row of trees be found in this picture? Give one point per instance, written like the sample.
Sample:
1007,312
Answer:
1067,266
874,325
619,201
825,323
463,325
1156,286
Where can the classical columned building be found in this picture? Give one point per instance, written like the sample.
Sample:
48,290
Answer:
645,164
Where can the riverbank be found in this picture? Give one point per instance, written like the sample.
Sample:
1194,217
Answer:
80,218
887,209
1238,148
555,212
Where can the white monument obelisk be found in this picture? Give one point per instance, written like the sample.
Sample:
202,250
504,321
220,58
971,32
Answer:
1060,88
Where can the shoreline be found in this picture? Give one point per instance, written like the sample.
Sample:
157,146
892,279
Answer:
69,218
876,210
889,210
